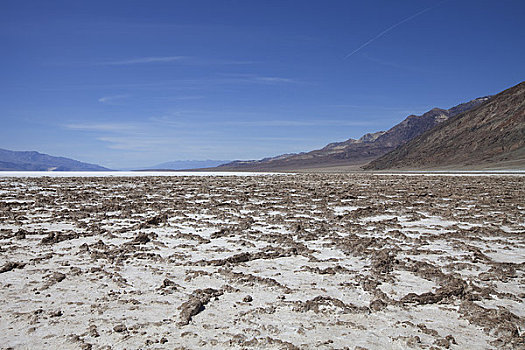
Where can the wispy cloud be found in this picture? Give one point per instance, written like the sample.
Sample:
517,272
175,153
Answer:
111,100
392,27
202,83
274,79
401,109
295,123
143,60
256,78
103,127
168,59
291,139
137,143
177,98
181,121
189,97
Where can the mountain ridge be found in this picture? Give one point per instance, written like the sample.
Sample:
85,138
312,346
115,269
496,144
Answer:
36,161
358,151
490,135
186,164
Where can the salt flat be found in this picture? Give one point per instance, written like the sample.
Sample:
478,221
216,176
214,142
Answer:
126,173
357,261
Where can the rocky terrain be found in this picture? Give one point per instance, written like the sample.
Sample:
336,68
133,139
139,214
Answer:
490,136
361,151
35,161
263,262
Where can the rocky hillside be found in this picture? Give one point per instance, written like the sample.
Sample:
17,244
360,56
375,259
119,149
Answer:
489,136
34,161
360,151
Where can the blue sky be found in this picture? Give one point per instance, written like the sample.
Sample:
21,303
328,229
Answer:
135,83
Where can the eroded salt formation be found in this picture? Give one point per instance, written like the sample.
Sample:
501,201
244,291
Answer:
284,262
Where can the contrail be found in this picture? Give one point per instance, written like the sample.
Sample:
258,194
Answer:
392,27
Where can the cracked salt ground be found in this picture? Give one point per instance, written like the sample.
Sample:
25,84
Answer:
266,262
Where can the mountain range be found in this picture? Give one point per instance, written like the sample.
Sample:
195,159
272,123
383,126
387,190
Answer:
484,133
35,161
491,135
361,151
186,164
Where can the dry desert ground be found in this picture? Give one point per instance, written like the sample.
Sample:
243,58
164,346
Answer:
355,261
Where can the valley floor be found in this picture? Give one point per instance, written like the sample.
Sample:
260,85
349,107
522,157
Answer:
349,261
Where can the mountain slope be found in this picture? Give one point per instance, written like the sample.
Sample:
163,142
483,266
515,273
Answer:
361,151
187,164
491,135
34,161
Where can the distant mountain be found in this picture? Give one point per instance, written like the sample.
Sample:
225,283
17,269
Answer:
362,150
34,161
489,136
187,164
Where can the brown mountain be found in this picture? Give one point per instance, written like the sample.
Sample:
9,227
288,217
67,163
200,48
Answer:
357,152
489,136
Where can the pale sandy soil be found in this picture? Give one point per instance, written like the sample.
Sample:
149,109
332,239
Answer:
267,262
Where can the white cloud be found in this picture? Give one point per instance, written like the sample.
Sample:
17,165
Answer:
296,123
196,84
275,80
189,97
142,60
392,27
107,127
137,143
112,99
255,78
